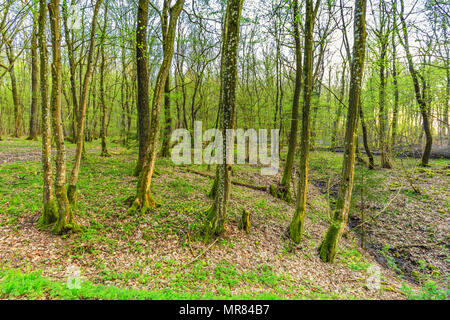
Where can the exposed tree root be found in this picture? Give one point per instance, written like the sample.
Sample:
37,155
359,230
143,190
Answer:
142,204
212,225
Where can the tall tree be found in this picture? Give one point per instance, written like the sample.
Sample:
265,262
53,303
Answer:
284,189
143,104
144,199
50,209
421,90
34,109
214,223
65,217
103,129
297,224
329,245
72,190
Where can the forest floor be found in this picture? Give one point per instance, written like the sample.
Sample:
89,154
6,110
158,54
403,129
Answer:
158,255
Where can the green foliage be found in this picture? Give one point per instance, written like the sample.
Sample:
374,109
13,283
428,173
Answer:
430,291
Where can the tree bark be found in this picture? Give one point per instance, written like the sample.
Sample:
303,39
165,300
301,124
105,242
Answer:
329,245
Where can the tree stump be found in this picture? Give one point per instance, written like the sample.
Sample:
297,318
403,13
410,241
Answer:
245,223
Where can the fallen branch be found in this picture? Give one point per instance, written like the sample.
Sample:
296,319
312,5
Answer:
237,183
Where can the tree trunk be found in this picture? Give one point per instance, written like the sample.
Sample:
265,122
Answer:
168,119
34,109
386,161
329,245
284,190
103,129
165,151
15,94
297,224
144,199
214,223
65,218
366,139
72,190
50,209
143,104
420,93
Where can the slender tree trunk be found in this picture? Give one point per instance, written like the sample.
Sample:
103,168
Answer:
103,130
165,152
72,70
396,92
50,209
329,245
366,139
284,190
334,134
298,221
420,93
65,218
15,94
214,223
386,161
143,104
34,109
168,119
72,190
144,199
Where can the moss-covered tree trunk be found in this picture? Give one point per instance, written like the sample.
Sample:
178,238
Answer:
65,219
143,104
329,245
144,199
50,209
284,189
297,224
72,190
214,223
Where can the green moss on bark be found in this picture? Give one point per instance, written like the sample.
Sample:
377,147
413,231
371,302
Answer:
212,226
329,245
142,204
49,214
72,194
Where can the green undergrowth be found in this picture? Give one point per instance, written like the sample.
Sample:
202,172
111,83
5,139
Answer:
17,284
